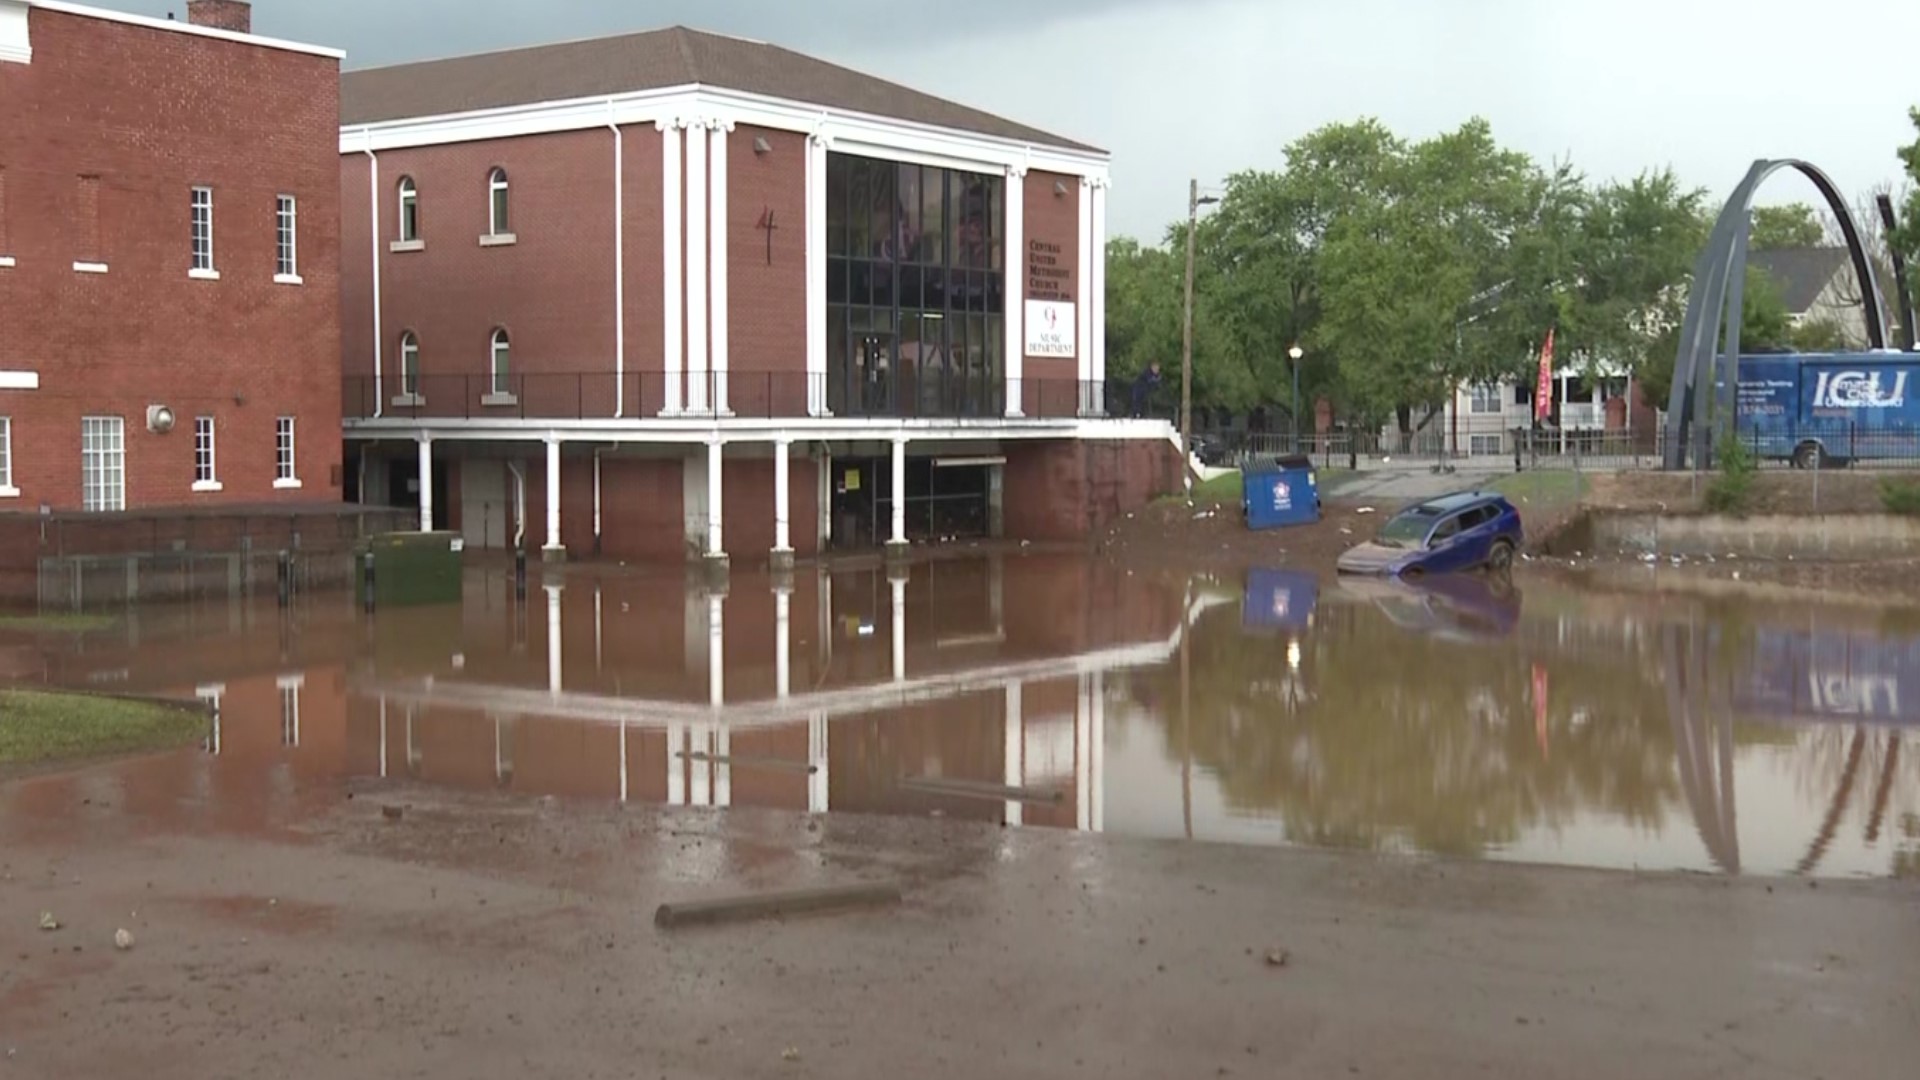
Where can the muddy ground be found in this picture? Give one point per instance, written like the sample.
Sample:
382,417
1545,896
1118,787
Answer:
481,937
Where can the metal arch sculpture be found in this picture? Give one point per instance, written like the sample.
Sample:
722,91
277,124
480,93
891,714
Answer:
1719,283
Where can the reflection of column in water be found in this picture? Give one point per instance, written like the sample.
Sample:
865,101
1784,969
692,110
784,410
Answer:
383,737
716,651
290,708
676,764
783,642
623,761
1700,734
1097,754
700,790
413,748
723,769
553,639
1014,730
817,754
1083,754
899,628
599,634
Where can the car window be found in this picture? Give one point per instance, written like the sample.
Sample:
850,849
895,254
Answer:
1406,529
1448,528
1477,517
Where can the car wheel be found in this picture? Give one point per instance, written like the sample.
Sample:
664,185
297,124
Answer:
1500,558
1809,456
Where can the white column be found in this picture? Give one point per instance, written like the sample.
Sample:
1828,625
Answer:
817,754
426,484
553,496
697,266
899,629
782,496
715,547
1083,306
671,249
553,639
782,642
619,276
1097,298
1016,286
816,248
1014,729
717,297
899,491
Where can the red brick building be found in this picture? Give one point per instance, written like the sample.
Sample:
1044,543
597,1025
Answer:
695,295
169,262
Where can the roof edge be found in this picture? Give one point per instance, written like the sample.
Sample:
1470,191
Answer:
178,27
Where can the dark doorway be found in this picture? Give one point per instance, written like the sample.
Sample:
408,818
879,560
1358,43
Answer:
403,487
946,501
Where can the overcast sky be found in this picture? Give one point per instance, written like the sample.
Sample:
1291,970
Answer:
1180,88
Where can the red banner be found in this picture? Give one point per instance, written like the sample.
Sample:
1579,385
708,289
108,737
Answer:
1543,392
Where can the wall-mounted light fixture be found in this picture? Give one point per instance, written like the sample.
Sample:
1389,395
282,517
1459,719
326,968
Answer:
1059,189
761,145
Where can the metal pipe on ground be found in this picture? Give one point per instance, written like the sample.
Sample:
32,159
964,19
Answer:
765,905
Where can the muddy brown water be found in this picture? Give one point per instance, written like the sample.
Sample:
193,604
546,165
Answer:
1529,721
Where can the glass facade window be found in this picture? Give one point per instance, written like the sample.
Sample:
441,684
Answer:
916,290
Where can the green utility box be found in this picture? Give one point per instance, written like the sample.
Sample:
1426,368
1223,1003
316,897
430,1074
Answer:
410,568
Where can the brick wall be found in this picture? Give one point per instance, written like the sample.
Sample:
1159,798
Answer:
1050,265
152,113
1070,490
768,281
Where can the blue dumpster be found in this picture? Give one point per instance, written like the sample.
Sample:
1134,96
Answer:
1284,495
1279,600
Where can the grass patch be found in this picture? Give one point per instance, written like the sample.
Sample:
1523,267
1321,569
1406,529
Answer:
1542,487
57,624
1900,496
38,727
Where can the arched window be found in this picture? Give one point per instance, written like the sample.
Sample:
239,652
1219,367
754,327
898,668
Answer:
502,382
409,210
497,203
409,364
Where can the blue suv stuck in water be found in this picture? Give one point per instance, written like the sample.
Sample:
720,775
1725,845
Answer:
1453,533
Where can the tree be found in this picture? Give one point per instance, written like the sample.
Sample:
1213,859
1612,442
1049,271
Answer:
1908,238
1794,225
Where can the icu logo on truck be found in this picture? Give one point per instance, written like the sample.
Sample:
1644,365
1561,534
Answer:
1858,390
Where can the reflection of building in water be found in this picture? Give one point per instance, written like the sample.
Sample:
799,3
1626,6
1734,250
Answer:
861,691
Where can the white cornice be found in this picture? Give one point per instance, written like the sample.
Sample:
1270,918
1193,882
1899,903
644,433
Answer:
851,132
178,27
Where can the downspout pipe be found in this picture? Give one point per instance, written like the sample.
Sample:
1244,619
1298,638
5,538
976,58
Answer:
373,237
619,286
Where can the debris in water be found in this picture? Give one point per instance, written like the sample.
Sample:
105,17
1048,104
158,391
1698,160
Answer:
1736,575
391,813
791,1053
1649,557
1364,510
123,939
48,922
1278,958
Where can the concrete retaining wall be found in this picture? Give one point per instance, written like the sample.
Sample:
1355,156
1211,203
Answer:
1837,537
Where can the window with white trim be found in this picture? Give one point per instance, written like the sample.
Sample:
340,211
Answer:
1486,399
1486,444
409,364
204,476
6,457
284,475
502,356
409,210
497,202
286,263
203,230
103,463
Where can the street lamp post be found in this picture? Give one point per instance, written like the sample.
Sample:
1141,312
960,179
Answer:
1194,203
1294,354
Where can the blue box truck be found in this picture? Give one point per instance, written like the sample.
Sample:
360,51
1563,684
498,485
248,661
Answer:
1823,409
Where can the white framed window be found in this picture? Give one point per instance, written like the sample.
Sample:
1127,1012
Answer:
7,490
203,235
409,366
283,461
286,241
409,210
497,203
1486,444
205,478
1486,399
501,361
103,463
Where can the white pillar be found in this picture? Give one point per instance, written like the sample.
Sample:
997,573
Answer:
782,496
782,642
1016,286
426,484
1014,728
671,215
715,546
1083,306
899,536
899,629
1097,298
717,294
697,266
816,249
553,497
817,754
619,275
553,639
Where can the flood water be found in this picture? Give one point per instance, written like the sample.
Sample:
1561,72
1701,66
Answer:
1532,722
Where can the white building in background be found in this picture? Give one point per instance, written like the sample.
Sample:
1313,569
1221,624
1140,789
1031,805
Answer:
1592,410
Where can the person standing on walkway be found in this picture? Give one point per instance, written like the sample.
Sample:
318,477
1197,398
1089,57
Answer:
1143,387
